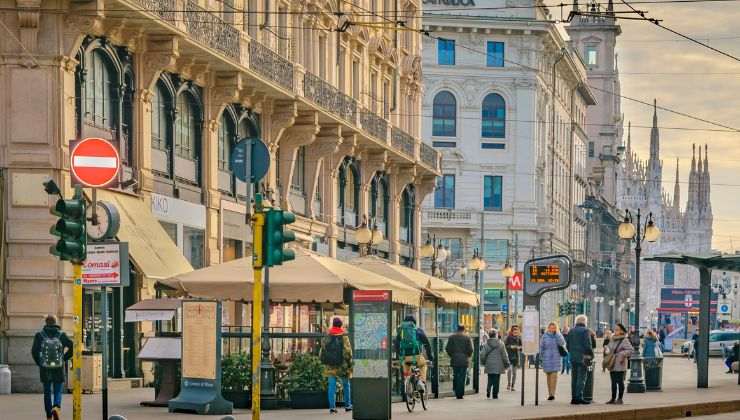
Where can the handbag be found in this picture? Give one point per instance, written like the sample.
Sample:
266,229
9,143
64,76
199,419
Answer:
611,358
562,350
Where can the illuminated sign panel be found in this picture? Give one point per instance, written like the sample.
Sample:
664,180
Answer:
544,274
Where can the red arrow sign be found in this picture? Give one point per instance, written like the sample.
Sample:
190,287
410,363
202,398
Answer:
94,163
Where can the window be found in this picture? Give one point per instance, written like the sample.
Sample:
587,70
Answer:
379,203
444,144
669,274
322,57
446,52
193,243
497,146
386,99
228,11
496,250
161,116
492,193
444,193
493,118
374,91
444,115
355,79
186,128
407,215
171,229
454,245
591,149
495,54
298,183
225,139
592,56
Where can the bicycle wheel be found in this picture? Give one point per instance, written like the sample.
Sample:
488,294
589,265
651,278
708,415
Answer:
410,398
423,399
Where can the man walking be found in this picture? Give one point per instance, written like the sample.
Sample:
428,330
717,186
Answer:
49,353
581,354
459,347
336,355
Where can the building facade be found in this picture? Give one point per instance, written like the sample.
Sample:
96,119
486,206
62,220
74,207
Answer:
174,85
685,230
505,103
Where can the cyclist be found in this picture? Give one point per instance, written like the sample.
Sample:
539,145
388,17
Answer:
408,345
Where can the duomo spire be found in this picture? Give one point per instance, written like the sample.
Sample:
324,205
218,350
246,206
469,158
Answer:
677,193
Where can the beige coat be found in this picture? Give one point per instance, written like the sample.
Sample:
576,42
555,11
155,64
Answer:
621,347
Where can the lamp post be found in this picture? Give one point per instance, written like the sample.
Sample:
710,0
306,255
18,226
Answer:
638,233
367,237
611,313
437,252
478,264
507,272
592,287
598,300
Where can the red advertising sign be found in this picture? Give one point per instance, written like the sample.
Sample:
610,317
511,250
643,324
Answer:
94,162
371,295
516,282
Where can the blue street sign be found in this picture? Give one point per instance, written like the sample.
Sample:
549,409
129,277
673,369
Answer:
250,160
504,307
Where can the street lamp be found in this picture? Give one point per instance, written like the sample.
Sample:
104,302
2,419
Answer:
611,313
638,233
436,252
598,300
478,264
367,237
507,272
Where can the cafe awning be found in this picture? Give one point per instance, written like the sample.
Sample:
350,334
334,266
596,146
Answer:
152,310
151,248
310,278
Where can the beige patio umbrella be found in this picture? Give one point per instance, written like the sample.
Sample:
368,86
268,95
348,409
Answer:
433,286
310,278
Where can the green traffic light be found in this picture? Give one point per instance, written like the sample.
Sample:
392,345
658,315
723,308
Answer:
276,236
70,228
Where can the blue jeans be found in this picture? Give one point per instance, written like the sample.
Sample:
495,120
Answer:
566,364
578,381
346,391
48,403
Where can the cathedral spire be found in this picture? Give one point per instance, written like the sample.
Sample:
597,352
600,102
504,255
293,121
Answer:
575,5
676,192
654,135
610,8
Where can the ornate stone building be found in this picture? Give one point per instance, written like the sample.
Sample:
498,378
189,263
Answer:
687,230
174,84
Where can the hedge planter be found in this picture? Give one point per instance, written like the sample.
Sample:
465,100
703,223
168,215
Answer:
308,400
241,399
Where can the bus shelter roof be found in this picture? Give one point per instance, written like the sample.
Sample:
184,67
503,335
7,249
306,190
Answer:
712,262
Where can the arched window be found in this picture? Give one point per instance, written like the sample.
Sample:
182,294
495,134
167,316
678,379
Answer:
161,118
379,202
444,115
407,214
493,118
187,128
226,139
349,187
101,93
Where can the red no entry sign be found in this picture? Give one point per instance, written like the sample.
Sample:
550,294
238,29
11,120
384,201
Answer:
94,162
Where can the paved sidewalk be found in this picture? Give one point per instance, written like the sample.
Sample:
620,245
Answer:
679,387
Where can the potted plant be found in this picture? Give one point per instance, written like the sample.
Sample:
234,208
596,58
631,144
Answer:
236,371
306,383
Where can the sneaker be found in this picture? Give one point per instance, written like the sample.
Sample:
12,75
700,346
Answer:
550,398
513,389
56,413
348,409
611,401
332,411
495,397
619,402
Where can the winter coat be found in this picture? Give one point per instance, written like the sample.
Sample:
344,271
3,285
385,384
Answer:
459,347
52,375
622,348
494,356
345,370
513,347
549,353
650,348
579,344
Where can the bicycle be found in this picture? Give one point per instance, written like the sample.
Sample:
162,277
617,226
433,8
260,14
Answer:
414,389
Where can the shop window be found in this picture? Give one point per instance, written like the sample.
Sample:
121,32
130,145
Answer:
171,230
193,243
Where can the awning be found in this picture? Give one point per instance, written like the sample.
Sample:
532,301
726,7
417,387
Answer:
310,278
149,245
433,286
152,310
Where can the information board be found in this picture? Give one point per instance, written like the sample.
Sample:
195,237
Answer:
106,265
530,331
547,273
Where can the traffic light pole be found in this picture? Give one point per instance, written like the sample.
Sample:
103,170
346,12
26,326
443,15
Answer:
258,222
77,344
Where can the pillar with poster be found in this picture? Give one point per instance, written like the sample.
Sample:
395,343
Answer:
541,275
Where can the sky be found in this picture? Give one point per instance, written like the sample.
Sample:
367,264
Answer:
700,82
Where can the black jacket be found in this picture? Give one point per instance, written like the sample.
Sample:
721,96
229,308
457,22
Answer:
513,346
54,375
579,344
459,347
422,338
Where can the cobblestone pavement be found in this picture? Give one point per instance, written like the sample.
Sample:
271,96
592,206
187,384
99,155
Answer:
679,386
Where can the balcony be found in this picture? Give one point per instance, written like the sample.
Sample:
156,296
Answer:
210,30
402,141
374,125
270,64
329,97
449,218
429,156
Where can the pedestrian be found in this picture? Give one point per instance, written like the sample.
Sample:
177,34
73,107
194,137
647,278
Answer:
552,347
618,352
695,341
661,337
513,348
607,337
459,347
651,348
495,361
581,353
336,355
566,359
410,344
51,348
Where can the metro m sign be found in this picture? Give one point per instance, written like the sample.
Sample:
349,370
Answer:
516,282
94,163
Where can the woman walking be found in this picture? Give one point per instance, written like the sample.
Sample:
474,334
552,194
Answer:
617,353
513,346
551,346
495,361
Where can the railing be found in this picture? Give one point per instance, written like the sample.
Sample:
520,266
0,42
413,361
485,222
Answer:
429,156
373,124
449,216
162,8
331,98
209,29
402,141
270,64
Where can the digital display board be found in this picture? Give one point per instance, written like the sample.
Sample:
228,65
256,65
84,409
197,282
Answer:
544,274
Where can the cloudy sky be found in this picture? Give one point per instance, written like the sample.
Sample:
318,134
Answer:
687,77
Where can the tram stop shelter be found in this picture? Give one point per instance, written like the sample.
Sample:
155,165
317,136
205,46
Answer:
705,264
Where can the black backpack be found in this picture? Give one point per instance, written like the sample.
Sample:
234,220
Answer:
333,351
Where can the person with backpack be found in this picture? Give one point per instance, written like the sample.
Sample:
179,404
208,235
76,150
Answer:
460,348
51,348
336,355
409,343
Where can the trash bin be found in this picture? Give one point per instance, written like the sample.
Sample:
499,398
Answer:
588,390
653,373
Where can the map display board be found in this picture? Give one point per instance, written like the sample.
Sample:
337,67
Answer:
371,330
531,331
547,273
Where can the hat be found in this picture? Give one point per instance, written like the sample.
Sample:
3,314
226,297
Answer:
410,318
336,322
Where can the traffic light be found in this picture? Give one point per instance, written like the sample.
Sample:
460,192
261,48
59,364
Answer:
275,237
70,228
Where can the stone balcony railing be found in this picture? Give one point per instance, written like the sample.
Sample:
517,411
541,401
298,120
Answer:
402,141
449,217
374,124
429,156
329,97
